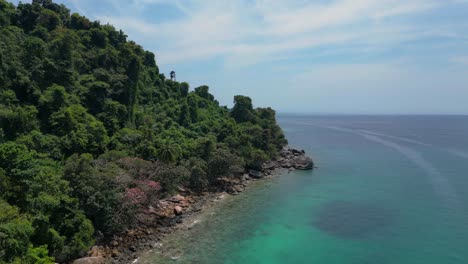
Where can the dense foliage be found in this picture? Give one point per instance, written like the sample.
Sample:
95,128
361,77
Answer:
91,132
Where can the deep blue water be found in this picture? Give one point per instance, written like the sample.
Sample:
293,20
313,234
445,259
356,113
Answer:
389,189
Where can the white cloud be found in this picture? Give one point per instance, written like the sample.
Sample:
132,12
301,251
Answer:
247,32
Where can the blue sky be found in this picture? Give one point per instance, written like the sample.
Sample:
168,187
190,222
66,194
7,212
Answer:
324,56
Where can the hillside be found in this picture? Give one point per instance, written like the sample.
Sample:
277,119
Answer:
91,132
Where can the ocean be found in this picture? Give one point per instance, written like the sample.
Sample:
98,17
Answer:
388,189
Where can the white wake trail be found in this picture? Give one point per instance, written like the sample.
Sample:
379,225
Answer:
408,140
440,184
458,153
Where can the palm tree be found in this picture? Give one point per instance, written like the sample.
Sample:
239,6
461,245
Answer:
168,152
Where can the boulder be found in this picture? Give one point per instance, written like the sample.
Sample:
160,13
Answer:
90,260
304,163
297,152
238,188
245,177
178,210
270,165
255,174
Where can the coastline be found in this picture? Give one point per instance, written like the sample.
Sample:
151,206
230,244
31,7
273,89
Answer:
180,212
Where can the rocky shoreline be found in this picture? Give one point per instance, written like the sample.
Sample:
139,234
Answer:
172,213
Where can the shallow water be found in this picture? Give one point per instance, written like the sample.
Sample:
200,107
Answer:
389,190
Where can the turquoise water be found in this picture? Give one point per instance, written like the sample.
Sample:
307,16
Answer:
388,190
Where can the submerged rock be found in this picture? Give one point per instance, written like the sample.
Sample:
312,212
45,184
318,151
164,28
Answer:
353,220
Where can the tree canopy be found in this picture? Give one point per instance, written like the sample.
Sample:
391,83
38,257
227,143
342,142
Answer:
91,131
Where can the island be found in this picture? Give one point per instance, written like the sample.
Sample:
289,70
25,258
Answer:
100,153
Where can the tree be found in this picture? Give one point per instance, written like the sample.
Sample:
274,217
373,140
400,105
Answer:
79,131
8,11
242,110
168,151
184,119
223,164
184,89
34,185
53,98
193,108
114,116
17,120
48,19
15,233
203,92
96,191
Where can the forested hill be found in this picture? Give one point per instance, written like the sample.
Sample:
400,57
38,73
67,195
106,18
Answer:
91,132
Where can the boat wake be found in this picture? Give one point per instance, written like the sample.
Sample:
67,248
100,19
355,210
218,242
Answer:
440,184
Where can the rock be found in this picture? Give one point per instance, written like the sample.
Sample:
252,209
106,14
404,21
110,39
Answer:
193,224
304,163
115,253
177,210
95,252
255,174
114,243
296,152
90,260
177,199
238,188
270,165
157,245
245,177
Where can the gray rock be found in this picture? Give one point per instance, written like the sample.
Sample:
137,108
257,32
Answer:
255,174
304,163
245,177
270,165
297,152
238,188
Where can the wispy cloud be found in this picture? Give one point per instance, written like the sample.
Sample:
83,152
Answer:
333,56
249,32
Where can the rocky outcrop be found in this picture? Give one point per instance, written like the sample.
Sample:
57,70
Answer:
303,163
233,185
290,158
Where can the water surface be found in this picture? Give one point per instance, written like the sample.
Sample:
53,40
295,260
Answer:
389,189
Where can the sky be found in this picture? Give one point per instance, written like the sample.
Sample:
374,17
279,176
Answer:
298,56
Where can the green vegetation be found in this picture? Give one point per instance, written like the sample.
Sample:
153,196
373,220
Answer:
91,133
